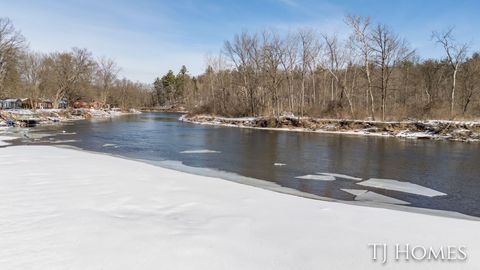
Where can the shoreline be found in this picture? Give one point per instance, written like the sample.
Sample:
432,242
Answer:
441,130
44,117
274,187
117,211
251,182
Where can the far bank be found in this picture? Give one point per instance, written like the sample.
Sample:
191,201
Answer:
463,131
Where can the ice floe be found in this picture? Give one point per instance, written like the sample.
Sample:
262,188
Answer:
323,176
396,185
317,177
199,151
67,133
370,196
109,145
344,176
63,141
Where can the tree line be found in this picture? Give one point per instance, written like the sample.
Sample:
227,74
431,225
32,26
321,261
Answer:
372,73
72,75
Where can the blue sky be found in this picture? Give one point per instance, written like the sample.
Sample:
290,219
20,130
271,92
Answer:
147,38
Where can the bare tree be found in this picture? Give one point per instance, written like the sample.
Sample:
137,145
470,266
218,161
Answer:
335,63
242,53
388,50
11,44
362,41
288,61
107,73
216,64
66,70
456,54
431,77
273,54
470,80
307,42
32,68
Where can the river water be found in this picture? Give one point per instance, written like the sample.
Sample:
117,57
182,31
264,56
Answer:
282,157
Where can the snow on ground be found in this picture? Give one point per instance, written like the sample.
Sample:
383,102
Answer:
370,196
67,209
20,111
401,186
414,135
311,125
199,151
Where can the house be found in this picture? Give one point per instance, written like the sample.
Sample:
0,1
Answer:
26,103
44,104
11,103
63,104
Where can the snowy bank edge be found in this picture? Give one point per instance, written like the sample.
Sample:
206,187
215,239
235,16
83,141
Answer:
403,134
215,174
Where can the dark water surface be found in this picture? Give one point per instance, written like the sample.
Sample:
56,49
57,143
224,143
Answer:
451,168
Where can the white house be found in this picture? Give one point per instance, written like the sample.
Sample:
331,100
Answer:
11,103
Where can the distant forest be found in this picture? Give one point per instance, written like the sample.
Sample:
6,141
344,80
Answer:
373,74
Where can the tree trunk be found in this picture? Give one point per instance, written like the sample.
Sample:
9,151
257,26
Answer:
303,95
314,90
372,104
452,104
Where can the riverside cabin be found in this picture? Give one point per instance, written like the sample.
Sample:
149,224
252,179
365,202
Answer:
44,104
11,104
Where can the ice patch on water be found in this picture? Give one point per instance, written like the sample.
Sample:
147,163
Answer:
407,187
63,141
279,164
370,196
317,177
199,151
67,133
109,145
344,176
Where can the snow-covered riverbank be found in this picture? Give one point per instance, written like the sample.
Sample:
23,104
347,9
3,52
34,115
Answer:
466,131
69,209
26,117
